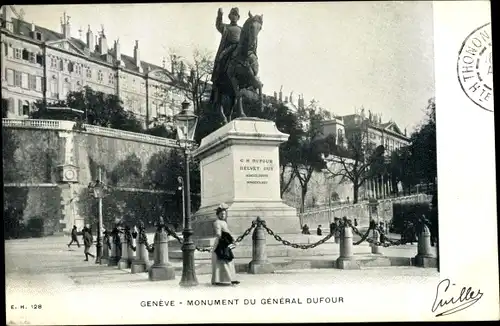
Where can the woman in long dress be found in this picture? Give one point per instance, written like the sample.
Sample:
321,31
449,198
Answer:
223,271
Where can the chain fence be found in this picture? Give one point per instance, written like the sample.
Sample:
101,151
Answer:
384,242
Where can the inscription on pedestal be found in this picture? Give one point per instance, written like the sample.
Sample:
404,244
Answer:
256,170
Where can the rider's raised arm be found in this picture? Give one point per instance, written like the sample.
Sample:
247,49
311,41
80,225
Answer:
218,22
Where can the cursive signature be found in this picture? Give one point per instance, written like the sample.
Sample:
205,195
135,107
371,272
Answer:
464,300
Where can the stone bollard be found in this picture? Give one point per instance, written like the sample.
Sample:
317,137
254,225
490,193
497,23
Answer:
113,252
140,264
161,269
131,252
259,264
346,259
105,250
124,261
375,238
425,258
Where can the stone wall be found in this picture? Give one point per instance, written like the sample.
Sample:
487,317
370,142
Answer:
42,151
359,211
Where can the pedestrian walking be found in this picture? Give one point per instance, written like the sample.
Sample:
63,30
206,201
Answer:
88,240
74,237
223,270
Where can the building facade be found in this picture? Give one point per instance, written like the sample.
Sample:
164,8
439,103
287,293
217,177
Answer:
374,133
41,64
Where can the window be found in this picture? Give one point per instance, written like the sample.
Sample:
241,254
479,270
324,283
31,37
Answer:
111,79
89,73
38,83
66,88
17,53
25,54
53,88
32,82
99,76
10,77
32,57
24,80
38,36
78,69
71,67
26,108
17,78
53,63
61,65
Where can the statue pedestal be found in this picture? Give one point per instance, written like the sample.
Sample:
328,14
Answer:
239,166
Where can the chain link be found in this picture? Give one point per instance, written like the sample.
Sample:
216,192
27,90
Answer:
143,239
294,245
238,239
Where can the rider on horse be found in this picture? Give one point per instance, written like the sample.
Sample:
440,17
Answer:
229,41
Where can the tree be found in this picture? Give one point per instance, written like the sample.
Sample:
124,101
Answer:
162,172
99,109
193,78
423,147
356,162
310,148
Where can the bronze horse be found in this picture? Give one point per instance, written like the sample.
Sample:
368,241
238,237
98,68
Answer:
241,71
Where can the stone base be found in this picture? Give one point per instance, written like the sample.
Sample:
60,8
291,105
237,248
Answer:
161,273
260,267
425,261
278,216
113,261
104,261
138,267
376,250
123,264
347,263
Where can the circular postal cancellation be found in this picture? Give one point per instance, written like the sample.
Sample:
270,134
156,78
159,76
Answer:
475,67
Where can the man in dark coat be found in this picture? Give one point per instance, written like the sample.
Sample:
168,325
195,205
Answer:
319,231
88,240
74,237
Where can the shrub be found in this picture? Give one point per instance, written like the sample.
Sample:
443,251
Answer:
403,213
35,227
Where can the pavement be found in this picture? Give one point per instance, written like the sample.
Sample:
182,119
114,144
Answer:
44,271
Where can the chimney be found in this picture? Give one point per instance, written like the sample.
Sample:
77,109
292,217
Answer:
7,16
103,44
32,30
118,55
65,26
137,54
281,96
275,96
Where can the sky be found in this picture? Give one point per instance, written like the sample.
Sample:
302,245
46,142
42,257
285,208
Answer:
345,55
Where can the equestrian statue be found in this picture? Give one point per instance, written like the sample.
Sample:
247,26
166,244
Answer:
236,65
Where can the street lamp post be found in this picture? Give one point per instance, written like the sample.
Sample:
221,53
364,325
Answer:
97,190
185,123
181,187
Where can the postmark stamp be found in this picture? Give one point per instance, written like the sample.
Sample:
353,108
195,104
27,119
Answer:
475,67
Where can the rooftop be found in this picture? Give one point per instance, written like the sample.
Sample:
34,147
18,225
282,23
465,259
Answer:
24,28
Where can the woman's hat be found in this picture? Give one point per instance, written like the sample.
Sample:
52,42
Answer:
222,207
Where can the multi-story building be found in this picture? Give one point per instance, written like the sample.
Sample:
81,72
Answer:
373,133
41,64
